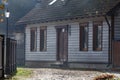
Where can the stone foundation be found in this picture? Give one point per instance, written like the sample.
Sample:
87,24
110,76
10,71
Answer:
47,64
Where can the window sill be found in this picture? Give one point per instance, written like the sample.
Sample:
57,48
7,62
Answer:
98,49
84,49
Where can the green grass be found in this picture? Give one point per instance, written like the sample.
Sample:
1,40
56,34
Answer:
23,72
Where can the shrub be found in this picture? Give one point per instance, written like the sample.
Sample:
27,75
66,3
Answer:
105,77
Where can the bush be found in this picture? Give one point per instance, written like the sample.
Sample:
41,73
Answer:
106,77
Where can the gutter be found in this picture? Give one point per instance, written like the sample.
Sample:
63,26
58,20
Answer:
110,42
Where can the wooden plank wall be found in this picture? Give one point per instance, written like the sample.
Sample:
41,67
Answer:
116,51
87,56
50,54
117,26
74,55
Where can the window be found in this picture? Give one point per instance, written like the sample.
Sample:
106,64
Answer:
97,36
84,37
43,39
33,38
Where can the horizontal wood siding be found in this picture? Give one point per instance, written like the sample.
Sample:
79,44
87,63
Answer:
50,54
117,26
116,51
74,55
87,56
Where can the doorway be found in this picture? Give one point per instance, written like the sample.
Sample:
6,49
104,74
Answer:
62,44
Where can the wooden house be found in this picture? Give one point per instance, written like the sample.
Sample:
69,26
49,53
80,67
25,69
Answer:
75,33
115,35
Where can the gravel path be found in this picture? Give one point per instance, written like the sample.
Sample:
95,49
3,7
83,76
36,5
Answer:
60,74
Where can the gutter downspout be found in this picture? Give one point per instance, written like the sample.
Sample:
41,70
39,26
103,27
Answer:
110,43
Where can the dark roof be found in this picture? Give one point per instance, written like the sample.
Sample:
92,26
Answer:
114,9
69,10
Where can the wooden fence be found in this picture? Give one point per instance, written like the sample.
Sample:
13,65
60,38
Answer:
1,57
9,58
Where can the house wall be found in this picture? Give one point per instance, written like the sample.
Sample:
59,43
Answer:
117,25
20,56
50,54
87,56
74,55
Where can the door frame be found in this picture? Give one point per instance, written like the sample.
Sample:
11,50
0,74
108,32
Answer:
57,54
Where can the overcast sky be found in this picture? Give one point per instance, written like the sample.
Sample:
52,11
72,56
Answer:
17,8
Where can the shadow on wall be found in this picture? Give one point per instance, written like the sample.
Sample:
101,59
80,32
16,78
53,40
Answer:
20,48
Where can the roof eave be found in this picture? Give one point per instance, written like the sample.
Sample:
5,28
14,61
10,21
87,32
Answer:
69,18
113,10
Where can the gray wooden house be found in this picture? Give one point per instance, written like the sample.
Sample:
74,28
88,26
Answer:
72,32
115,35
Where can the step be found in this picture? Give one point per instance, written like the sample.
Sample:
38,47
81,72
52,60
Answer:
59,65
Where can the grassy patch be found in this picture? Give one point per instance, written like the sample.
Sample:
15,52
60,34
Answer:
23,72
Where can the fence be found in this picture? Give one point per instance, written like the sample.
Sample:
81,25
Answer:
9,58
1,57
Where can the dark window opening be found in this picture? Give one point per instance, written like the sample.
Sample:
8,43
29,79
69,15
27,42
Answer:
97,36
84,37
33,39
43,39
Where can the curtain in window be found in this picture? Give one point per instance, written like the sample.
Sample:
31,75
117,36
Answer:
84,37
43,39
33,39
97,36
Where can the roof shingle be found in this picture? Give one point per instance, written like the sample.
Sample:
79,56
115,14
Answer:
71,9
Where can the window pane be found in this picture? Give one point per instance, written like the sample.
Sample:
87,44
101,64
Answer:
97,36
43,39
84,37
33,39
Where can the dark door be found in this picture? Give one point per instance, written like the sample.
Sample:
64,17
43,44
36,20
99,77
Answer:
116,54
62,44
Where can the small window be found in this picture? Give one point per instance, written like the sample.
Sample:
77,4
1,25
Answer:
84,37
33,38
43,39
97,36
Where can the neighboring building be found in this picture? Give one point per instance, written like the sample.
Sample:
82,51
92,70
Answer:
19,37
17,9
115,37
72,32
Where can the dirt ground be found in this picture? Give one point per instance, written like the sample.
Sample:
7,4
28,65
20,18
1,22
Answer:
63,74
